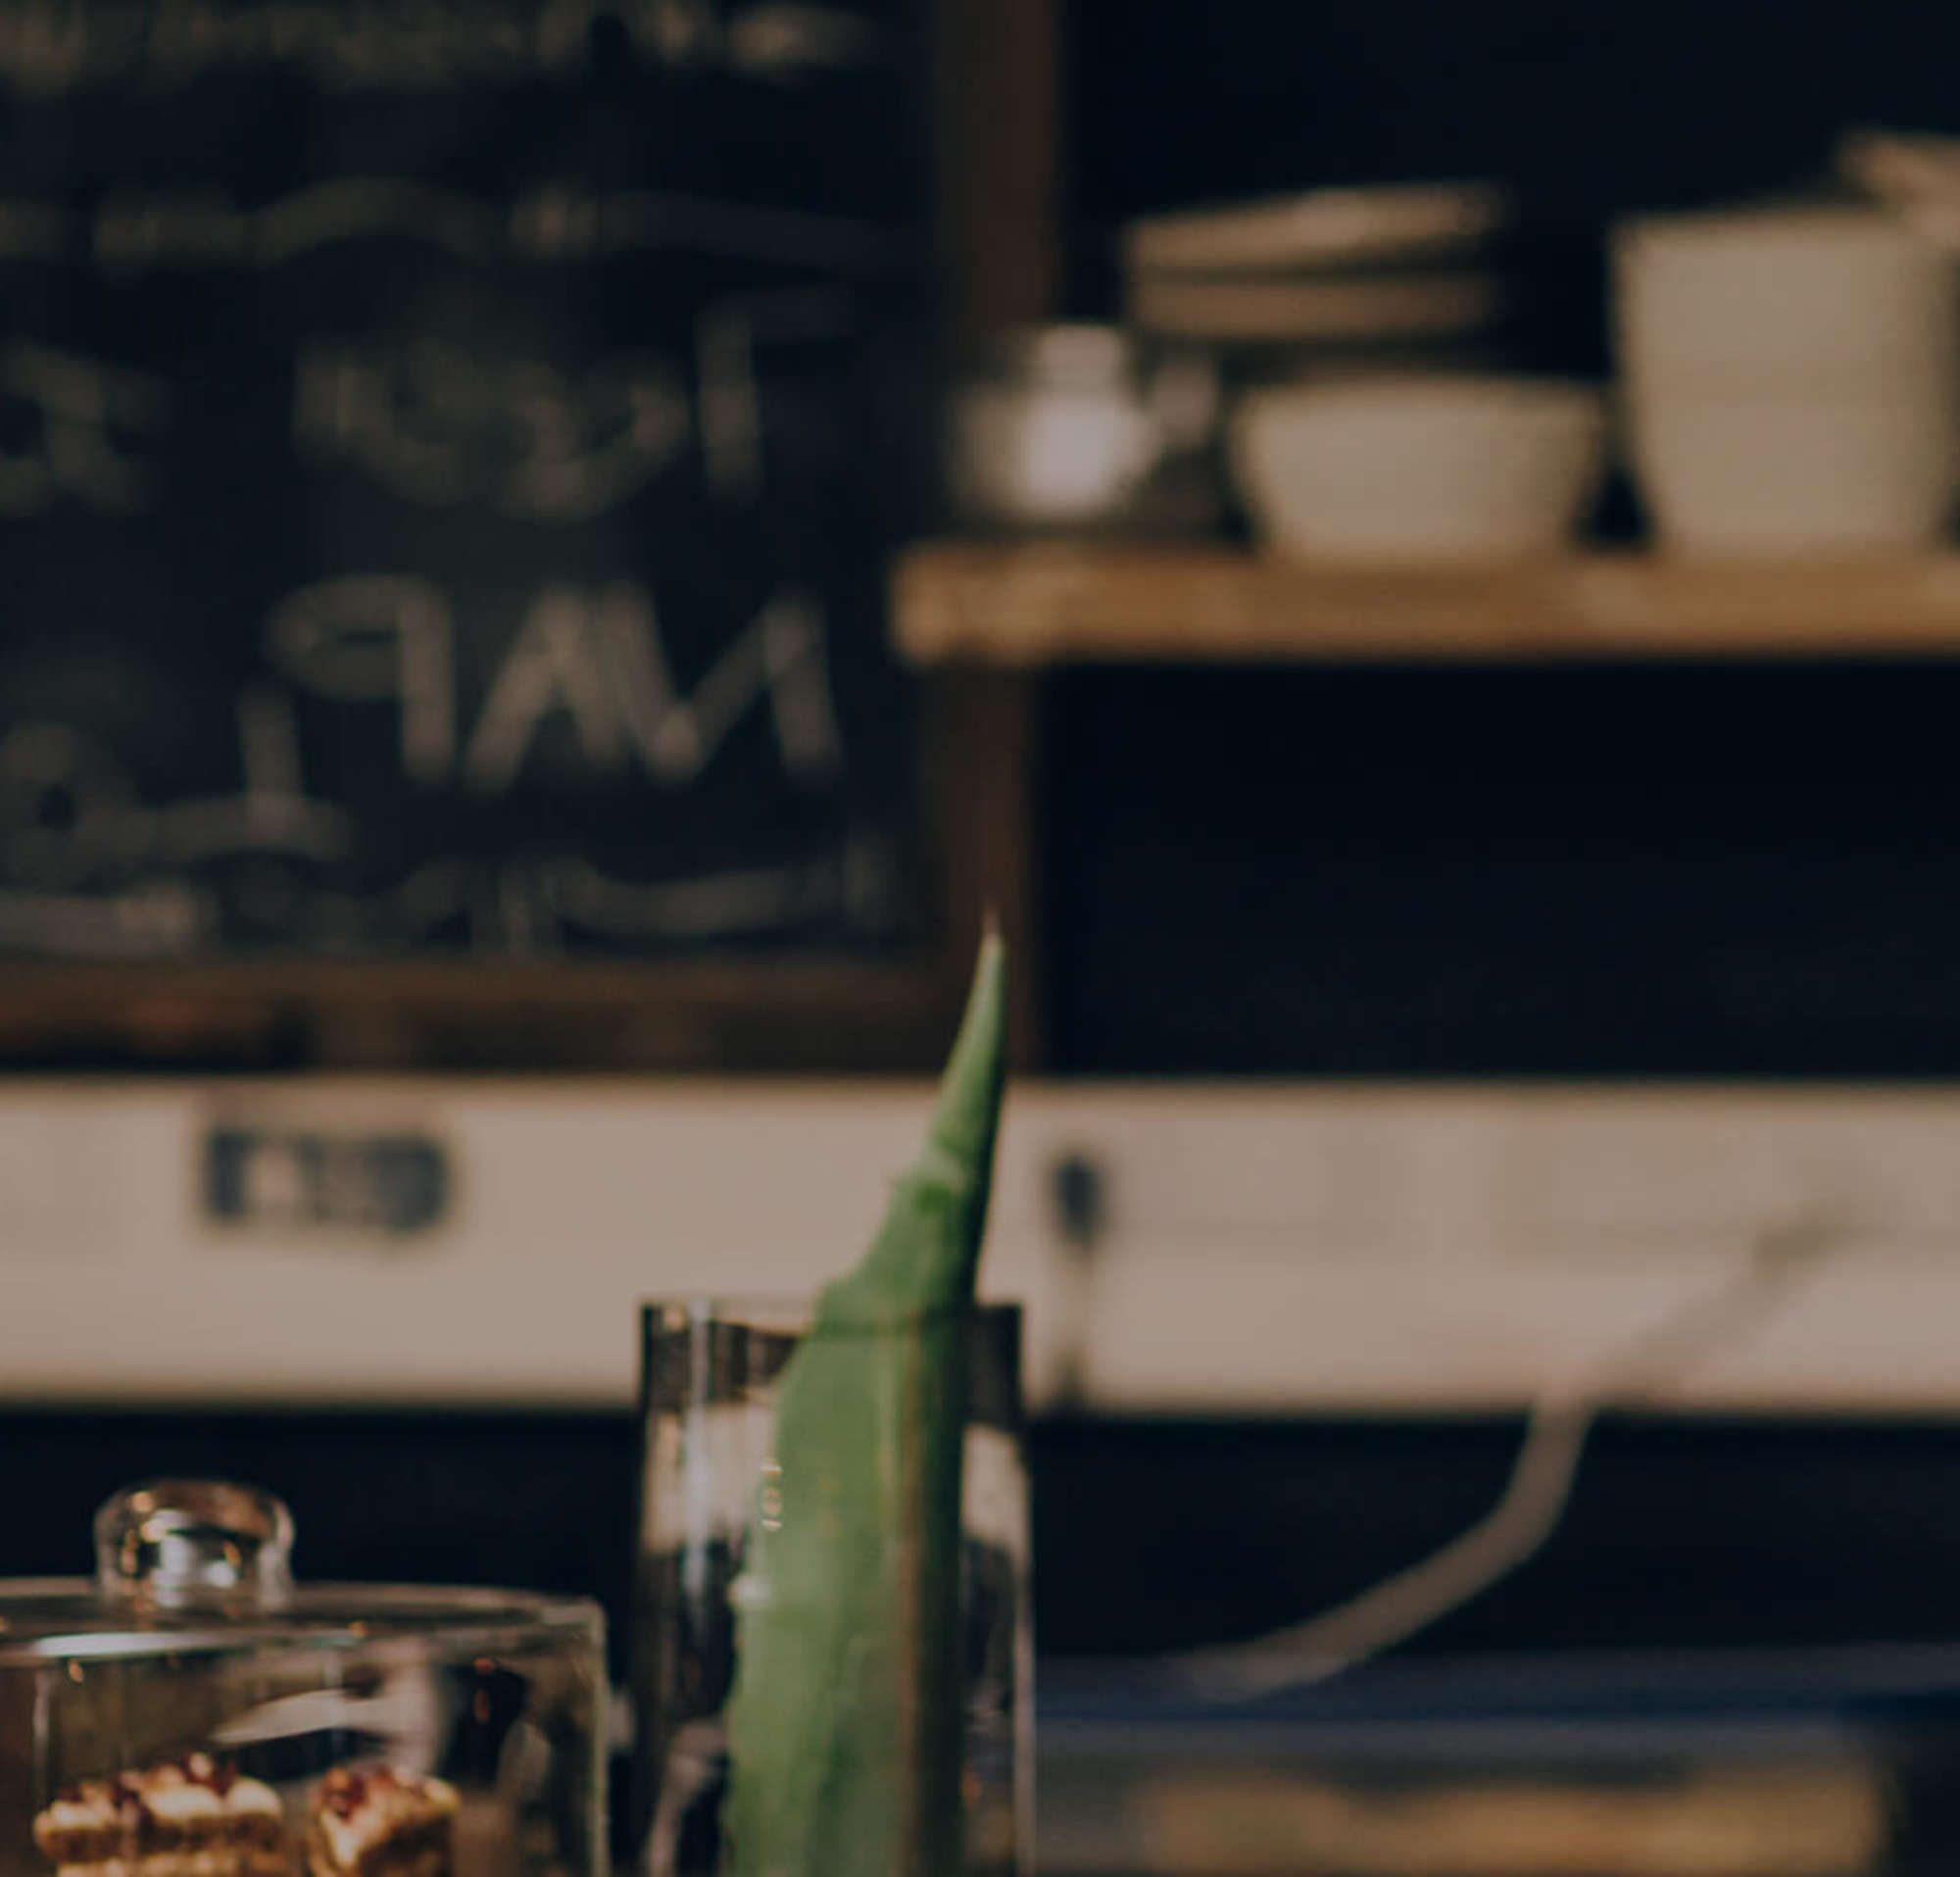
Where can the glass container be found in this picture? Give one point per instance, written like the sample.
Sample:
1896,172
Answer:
711,1378
192,1713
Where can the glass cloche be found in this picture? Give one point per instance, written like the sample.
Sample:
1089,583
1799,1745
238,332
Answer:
194,1713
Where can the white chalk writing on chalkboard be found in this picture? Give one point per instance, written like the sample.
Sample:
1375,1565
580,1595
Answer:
68,807
436,424
540,281
142,228
96,873
57,786
558,223
375,638
69,810
729,335
531,905
598,658
593,658
84,423
718,906
52,47
164,919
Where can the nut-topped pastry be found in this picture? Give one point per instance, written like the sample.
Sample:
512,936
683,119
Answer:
380,1823
187,1818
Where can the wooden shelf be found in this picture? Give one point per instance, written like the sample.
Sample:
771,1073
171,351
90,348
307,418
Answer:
683,1016
1032,605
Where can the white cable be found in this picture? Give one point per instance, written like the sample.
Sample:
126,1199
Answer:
1536,1495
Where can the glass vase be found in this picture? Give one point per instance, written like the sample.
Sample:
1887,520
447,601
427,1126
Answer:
713,1489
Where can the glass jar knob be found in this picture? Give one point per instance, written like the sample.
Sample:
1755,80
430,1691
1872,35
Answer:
176,1543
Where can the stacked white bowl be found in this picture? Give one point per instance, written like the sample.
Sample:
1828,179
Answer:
1419,468
1790,380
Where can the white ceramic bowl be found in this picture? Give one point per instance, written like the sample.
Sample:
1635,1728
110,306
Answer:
1795,475
1441,466
1842,298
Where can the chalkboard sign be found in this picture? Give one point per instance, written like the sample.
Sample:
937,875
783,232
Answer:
448,453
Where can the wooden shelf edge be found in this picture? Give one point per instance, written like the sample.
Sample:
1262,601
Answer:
686,1015
1039,604
468,982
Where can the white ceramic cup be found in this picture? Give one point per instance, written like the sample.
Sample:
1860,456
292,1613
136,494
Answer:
1791,379
1419,467
1795,474
1839,298
1060,457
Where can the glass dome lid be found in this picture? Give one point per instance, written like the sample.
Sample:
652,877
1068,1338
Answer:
185,1567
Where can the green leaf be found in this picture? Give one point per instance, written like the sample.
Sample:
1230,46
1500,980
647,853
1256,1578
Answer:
844,1722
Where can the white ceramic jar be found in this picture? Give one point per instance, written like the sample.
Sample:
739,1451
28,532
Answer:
1790,380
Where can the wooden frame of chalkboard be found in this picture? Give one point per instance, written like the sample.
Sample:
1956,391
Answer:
829,1009
811,1014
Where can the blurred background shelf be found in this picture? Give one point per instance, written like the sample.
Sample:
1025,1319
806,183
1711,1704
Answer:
1029,604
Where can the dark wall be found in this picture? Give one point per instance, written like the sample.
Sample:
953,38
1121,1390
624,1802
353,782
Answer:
1679,1535
1587,110
1146,1535
1582,871
1591,108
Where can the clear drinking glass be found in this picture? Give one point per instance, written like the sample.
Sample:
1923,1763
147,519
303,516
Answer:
709,1382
